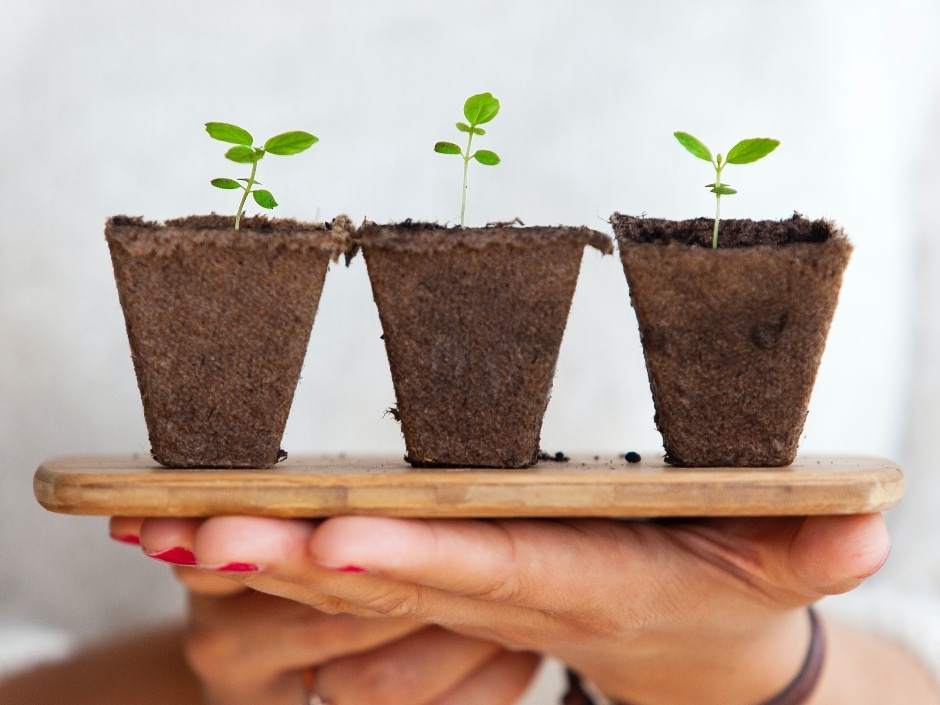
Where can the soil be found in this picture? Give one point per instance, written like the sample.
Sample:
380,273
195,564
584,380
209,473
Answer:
557,457
732,233
732,337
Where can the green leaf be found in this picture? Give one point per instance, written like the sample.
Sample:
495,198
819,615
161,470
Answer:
225,183
264,198
722,189
447,148
694,146
290,143
250,182
463,127
225,132
485,156
747,151
244,155
480,108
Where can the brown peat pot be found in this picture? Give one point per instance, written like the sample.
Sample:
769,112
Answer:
218,322
473,320
732,336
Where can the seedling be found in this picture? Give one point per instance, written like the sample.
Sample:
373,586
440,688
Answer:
744,152
244,152
478,109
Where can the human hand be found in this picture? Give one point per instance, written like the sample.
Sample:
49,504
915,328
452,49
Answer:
250,647
669,612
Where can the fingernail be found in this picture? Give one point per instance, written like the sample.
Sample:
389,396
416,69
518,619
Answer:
132,539
350,569
881,565
177,556
237,568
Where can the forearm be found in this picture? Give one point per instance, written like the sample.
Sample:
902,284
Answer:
735,664
859,668
147,668
865,669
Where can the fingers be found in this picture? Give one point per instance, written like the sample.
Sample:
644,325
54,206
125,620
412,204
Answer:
417,669
199,582
248,639
226,544
459,673
534,564
526,563
125,529
170,540
253,648
835,554
804,557
266,554
500,681
531,584
277,553
245,549
794,560
592,592
128,530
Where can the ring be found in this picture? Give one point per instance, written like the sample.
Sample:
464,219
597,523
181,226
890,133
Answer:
310,686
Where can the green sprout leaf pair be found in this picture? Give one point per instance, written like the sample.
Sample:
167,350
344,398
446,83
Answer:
478,110
744,152
244,152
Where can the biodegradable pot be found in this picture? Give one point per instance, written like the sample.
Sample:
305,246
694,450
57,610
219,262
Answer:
473,320
218,322
732,337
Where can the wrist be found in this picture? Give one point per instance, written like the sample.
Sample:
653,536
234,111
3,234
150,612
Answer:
777,665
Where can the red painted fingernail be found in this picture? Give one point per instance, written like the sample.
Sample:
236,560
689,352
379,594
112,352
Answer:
176,556
238,568
351,569
132,539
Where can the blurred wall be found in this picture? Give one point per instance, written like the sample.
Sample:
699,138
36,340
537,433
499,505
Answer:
102,105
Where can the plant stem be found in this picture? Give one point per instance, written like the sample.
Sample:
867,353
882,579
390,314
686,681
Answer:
717,218
241,206
718,168
466,166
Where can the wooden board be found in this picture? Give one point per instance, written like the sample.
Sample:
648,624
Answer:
605,486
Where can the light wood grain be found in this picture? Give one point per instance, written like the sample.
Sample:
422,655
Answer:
605,486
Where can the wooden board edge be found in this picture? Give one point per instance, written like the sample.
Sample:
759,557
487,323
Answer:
87,494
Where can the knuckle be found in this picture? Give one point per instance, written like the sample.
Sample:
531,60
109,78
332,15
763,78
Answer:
388,681
337,606
401,602
501,588
216,654
590,630
506,585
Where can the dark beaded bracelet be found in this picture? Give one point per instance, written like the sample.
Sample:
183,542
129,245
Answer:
575,694
797,691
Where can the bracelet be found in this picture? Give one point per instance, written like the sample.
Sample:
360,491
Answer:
803,685
796,692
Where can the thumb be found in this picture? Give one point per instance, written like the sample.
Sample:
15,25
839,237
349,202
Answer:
834,554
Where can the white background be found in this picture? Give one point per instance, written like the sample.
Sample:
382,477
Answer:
102,105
